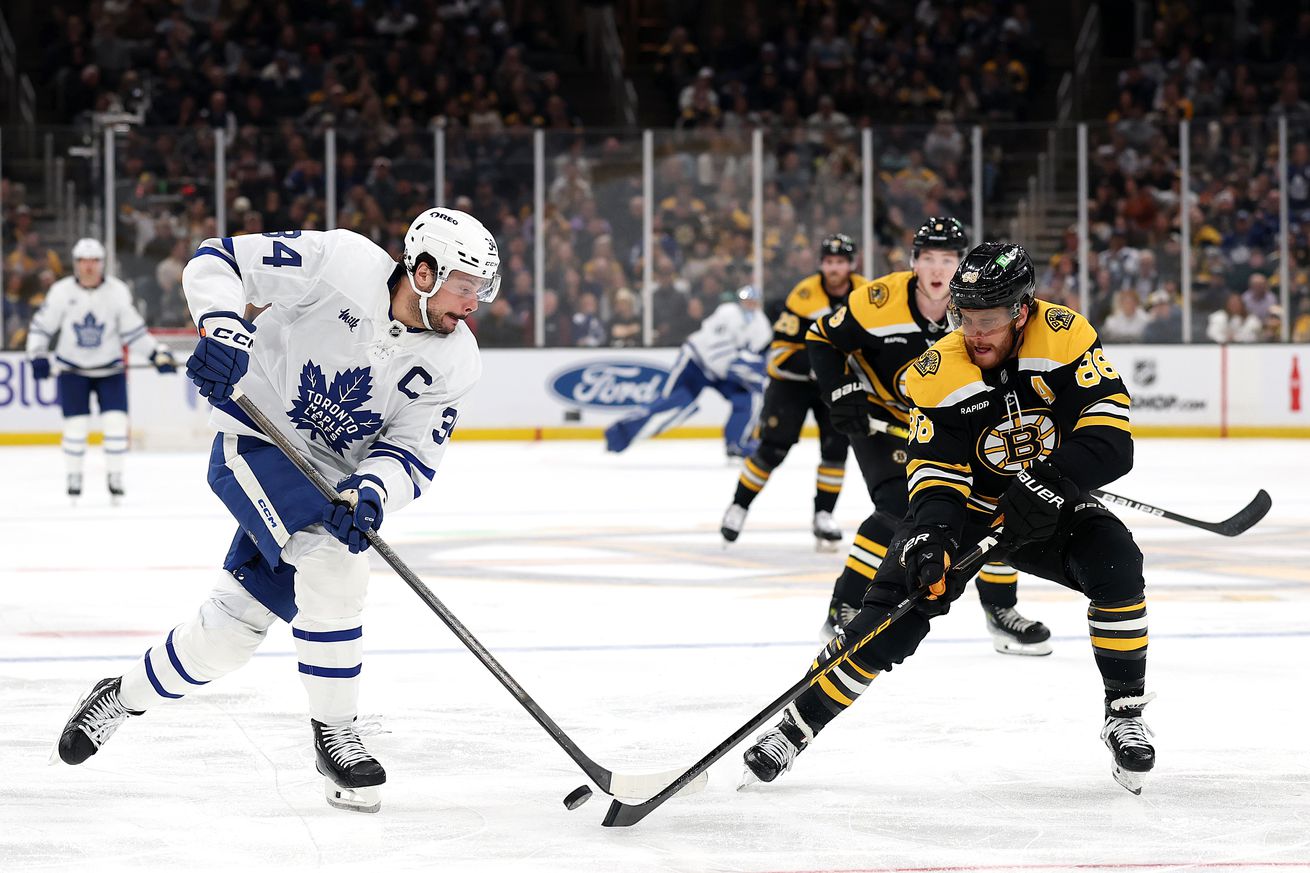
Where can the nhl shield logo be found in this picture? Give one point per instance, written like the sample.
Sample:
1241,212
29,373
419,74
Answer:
929,362
1145,371
969,277
1059,318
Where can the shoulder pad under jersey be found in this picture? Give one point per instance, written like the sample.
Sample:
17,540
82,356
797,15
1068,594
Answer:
1054,337
944,376
883,303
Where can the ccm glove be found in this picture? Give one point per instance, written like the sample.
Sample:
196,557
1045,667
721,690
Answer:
849,410
1033,504
163,360
222,355
40,368
358,511
926,556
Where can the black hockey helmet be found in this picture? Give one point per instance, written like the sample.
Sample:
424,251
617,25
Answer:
837,244
994,274
941,232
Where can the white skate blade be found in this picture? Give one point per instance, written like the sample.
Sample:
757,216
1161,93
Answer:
822,545
1130,779
354,799
748,779
1008,645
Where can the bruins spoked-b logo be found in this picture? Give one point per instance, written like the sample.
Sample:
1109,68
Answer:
1059,318
1009,446
929,362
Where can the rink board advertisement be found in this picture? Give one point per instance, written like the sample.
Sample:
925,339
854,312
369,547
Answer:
574,393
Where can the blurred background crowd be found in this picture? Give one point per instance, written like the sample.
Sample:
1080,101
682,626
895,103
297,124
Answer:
382,75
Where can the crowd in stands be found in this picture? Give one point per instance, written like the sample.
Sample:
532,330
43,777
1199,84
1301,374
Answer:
811,75
1232,89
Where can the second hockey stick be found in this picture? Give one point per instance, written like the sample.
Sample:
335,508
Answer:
1239,522
614,784
623,815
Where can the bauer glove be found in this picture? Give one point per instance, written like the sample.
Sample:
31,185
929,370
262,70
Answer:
926,556
1033,505
849,410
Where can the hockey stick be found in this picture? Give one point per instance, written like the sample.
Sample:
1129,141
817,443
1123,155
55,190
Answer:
623,815
1239,522
615,784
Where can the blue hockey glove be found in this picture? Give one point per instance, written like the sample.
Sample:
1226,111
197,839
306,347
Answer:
40,368
222,355
163,360
359,511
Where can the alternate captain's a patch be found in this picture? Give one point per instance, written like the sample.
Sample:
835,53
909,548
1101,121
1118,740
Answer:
878,294
1059,318
929,362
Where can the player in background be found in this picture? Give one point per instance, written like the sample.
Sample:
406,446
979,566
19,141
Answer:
791,395
361,362
723,354
861,354
93,316
1017,415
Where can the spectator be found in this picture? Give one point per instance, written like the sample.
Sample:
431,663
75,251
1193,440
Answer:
557,329
624,324
1233,324
498,328
1258,299
587,328
1127,322
1166,323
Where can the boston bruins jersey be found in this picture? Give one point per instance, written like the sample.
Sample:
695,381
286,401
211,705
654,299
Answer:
876,336
806,302
1059,399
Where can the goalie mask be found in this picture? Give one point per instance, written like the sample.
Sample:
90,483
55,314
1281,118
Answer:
451,240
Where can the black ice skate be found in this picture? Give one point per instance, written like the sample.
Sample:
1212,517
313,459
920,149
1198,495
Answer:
74,485
827,535
1012,634
93,722
115,482
733,521
353,775
1125,735
775,750
840,614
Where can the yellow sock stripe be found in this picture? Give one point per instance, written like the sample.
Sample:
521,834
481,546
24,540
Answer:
831,471
1132,607
755,468
860,567
858,669
750,485
868,544
999,578
826,488
833,691
1130,645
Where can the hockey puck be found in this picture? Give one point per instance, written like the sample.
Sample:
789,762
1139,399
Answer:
577,797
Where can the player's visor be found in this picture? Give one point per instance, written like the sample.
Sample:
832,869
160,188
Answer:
978,322
463,284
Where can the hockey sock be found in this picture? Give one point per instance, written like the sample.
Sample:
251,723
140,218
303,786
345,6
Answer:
74,442
864,559
1118,631
224,634
754,475
114,423
827,485
998,585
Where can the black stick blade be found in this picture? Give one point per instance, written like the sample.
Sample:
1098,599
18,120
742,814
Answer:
1247,517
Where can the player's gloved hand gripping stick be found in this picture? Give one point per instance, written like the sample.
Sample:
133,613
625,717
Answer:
616,784
1239,522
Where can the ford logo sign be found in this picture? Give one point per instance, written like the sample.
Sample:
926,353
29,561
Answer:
610,384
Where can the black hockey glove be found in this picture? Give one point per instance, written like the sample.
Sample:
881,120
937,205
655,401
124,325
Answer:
926,556
1033,505
849,410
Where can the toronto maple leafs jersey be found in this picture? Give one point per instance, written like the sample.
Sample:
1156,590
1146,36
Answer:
730,330
92,325
352,388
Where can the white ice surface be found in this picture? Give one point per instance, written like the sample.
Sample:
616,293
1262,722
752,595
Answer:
600,582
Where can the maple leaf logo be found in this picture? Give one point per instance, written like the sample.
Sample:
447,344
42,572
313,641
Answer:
88,331
333,412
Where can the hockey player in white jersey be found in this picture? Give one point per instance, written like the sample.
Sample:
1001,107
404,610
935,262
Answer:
361,362
93,317
723,354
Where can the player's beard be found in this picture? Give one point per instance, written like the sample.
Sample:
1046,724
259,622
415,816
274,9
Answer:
438,319
998,351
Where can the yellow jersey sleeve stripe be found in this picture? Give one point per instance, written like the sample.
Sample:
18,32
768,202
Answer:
914,466
1114,645
938,483
1104,421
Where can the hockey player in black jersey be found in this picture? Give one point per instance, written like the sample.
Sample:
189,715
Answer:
1017,415
791,396
861,354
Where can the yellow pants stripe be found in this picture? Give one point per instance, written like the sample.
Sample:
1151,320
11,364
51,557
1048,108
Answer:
1131,645
866,543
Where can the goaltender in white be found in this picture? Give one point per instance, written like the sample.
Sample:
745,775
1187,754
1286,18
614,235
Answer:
361,363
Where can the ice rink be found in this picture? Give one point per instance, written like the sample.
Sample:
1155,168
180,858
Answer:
600,583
